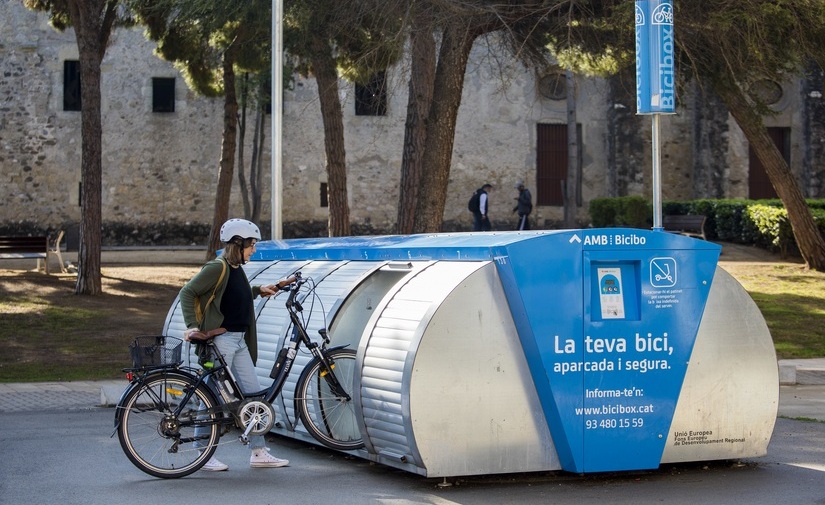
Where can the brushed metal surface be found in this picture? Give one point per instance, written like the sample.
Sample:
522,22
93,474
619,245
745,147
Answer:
730,397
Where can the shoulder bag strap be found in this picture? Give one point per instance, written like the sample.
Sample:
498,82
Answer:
215,290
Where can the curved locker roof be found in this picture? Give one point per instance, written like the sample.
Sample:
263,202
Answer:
436,246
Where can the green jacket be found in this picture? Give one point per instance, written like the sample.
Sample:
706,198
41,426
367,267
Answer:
199,290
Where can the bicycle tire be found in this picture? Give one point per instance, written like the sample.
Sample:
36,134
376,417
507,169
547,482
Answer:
153,439
331,420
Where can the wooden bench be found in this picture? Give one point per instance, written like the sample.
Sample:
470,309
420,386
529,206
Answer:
690,225
32,247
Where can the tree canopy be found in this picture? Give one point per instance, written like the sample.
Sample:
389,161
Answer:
729,47
209,41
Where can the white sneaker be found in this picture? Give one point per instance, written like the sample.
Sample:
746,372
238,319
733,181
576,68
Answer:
213,465
262,459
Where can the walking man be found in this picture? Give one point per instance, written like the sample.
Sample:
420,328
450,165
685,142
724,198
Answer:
478,205
524,206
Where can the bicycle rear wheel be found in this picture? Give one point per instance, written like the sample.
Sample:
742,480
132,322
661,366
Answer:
328,417
158,442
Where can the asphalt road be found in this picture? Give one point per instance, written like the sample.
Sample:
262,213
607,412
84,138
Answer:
66,456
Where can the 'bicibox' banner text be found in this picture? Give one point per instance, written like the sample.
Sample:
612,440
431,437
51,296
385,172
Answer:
655,79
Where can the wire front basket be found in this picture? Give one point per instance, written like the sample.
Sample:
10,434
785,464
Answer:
155,351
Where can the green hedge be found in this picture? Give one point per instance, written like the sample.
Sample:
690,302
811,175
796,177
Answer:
624,211
763,223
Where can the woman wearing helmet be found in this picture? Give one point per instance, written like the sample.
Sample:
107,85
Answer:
218,301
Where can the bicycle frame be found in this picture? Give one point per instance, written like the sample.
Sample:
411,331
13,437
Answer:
286,356
168,407
230,395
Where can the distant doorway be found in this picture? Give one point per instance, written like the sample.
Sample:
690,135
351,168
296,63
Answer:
551,163
759,185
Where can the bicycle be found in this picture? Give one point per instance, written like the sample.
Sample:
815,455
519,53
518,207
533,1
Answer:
165,401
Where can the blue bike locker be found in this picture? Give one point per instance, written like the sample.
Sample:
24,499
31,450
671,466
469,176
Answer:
580,350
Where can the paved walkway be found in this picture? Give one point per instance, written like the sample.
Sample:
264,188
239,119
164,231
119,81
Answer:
804,398
31,396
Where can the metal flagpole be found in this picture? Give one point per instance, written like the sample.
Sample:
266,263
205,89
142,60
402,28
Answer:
657,174
655,80
277,117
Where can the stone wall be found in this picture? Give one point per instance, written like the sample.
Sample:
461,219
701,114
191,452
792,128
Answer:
812,119
162,168
156,167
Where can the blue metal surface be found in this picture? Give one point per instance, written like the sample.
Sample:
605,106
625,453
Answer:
438,246
655,69
608,384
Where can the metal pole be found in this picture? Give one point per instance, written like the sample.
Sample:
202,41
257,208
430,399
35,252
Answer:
657,173
277,117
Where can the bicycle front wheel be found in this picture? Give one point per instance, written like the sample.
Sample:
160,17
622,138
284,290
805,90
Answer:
326,414
156,440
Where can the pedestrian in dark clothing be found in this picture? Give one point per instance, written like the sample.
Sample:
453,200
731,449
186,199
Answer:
479,206
524,206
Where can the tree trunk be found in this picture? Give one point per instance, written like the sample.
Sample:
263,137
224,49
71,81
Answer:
242,186
571,200
89,280
93,21
251,188
227,164
456,43
422,76
256,170
326,74
808,239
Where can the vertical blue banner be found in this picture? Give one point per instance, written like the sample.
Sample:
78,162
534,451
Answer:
655,79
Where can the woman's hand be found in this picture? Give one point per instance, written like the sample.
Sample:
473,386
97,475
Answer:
269,290
274,289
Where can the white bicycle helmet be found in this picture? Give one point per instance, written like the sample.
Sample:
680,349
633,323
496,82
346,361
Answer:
239,228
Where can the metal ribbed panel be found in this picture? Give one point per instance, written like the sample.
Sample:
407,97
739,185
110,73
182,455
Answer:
270,323
174,327
334,280
391,348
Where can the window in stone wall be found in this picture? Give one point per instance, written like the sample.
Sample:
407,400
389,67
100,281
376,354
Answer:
371,98
324,195
71,85
163,94
553,86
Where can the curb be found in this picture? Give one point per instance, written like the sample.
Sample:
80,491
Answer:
792,372
802,372
21,396
110,393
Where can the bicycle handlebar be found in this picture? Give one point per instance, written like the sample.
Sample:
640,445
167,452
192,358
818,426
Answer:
286,284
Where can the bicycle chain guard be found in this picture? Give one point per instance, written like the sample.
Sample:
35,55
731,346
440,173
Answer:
257,418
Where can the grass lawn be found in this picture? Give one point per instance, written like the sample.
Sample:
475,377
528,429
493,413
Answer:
792,300
52,334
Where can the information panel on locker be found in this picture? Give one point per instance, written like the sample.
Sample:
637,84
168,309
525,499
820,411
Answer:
643,317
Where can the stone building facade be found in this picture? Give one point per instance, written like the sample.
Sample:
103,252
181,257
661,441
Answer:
161,167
